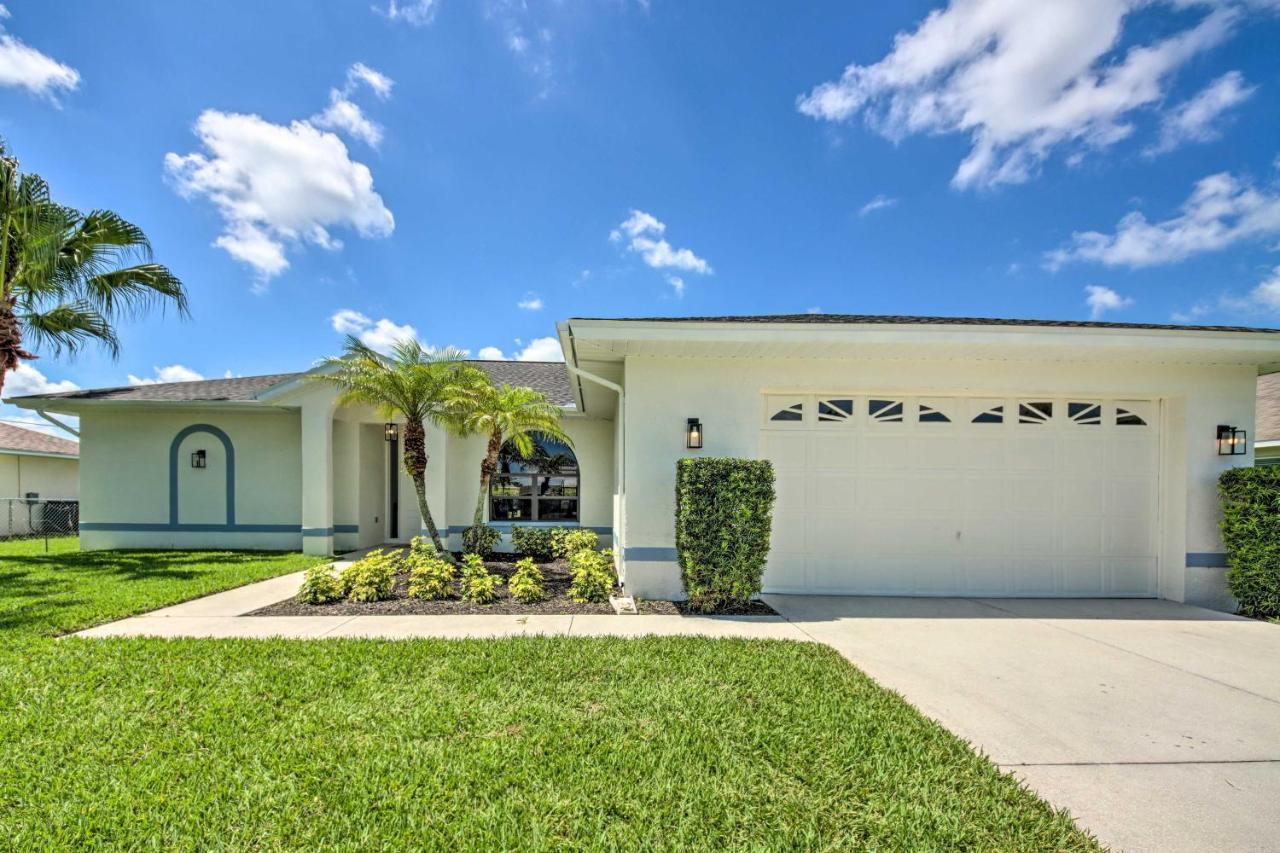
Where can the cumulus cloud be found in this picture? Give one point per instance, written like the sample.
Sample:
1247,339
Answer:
26,379
530,302
1103,299
880,202
1018,79
1267,294
172,373
1222,210
345,115
538,349
415,13
490,354
276,187
643,233
379,334
24,67
1198,118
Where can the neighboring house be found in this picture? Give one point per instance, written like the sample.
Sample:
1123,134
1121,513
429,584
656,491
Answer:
38,466
914,455
1266,430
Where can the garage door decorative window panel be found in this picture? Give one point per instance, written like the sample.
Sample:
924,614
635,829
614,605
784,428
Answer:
886,494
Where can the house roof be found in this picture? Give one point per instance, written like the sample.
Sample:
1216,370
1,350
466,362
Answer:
908,320
1268,415
549,377
19,440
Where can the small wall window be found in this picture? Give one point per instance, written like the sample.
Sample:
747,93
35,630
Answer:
1088,414
885,411
1037,412
835,410
542,487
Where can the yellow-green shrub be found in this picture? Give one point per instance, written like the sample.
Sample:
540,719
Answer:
371,577
571,541
526,583
430,576
320,585
477,584
593,577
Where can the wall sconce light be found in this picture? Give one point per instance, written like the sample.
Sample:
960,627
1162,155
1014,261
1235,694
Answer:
198,460
693,434
390,431
1231,441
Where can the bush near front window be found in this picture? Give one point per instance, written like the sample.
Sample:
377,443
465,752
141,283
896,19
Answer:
536,542
724,520
1251,533
480,539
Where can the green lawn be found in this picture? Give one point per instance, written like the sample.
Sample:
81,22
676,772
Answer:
532,743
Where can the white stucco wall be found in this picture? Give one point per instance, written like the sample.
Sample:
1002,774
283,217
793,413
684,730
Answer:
725,393
52,479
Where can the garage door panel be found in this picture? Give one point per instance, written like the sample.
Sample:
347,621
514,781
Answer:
983,498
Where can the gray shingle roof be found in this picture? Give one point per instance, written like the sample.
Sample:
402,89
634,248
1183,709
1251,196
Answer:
906,320
549,377
30,441
1268,415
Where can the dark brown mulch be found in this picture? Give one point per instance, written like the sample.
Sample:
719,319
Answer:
555,583
754,608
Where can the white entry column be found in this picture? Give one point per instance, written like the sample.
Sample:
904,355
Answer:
317,475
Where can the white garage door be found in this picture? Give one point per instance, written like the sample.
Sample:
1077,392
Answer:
896,495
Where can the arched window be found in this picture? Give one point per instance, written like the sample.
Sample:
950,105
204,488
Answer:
542,487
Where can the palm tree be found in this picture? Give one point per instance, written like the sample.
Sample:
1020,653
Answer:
66,276
505,414
414,383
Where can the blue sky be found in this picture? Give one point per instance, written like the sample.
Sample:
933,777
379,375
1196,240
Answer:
477,170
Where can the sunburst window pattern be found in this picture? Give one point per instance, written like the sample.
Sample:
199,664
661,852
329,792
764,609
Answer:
1089,414
885,411
1038,412
835,410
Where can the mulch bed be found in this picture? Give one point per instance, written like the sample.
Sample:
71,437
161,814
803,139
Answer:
555,583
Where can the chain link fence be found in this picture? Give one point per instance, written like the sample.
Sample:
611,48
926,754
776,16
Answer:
29,518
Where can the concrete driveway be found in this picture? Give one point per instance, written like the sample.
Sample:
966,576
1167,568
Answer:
1157,725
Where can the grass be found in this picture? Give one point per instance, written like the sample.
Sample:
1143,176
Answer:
531,743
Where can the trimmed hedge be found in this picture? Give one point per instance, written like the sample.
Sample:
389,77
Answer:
1251,533
724,519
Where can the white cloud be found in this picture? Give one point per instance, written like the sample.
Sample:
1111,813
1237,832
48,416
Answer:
490,354
1221,211
1018,79
1103,299
379,334
880,202
26,379
24,67
538,349
643,233
172,373
276,187
531,302
1197,119
677,284
1267,294
343,114
377,81
415,13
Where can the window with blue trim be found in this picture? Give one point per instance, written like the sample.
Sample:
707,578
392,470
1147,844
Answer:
541,487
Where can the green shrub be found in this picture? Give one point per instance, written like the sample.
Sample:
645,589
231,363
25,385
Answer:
536,542
371,577
526,583
593,577
430,577
480,539
571,541
724,515
477,584
320,585
1251,534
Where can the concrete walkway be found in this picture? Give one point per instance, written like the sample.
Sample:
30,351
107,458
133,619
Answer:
222,615
1157,725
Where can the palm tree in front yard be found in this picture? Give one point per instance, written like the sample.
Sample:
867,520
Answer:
506,414
412,383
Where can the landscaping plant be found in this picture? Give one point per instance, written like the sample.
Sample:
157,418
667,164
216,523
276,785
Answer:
478,584
320,585
1251,534
724,516
526,583
536,542
570,541
593,577
371,577
481,539
430,576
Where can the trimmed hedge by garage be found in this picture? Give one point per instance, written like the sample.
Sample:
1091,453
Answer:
724,520
1251,533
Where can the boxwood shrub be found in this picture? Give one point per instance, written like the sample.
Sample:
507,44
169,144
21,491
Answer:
724,519
1251,533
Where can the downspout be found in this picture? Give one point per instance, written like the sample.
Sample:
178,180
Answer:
59,424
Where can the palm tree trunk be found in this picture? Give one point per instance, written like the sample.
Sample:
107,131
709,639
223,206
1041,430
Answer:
488,467
12,353
415,463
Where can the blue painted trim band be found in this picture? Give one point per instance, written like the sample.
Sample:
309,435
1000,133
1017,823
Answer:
1206,560
650,555
317,531
231,469
346,528
160,527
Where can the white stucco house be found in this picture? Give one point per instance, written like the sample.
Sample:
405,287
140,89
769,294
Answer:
914,455
37,466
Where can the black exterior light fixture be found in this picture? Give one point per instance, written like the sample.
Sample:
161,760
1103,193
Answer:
693,434
390,431
199,460
1232,441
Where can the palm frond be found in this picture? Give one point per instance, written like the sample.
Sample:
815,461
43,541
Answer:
68,327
